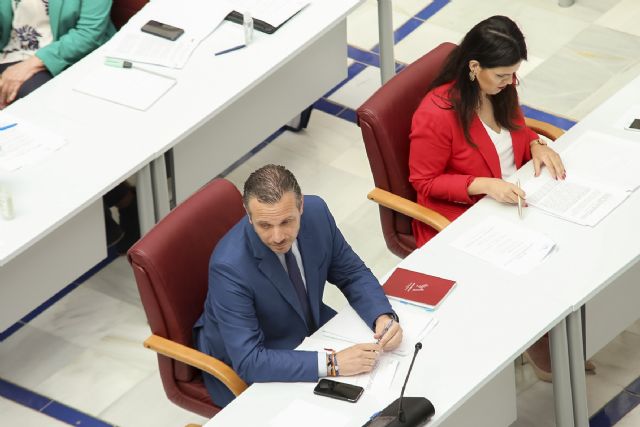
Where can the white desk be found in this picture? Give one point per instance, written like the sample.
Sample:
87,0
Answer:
58,233
466,365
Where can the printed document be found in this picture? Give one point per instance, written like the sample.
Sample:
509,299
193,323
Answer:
505,244
198,19
416,323
22,143
380,378
601,173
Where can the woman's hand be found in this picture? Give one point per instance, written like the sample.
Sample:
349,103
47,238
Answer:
14,77
497,189
542,154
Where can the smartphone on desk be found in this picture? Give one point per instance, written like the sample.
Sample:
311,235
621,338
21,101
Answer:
634,125
165,31
338,390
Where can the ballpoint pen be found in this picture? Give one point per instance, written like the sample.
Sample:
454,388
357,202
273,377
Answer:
519,200
122,63
5,127
231,49
385,330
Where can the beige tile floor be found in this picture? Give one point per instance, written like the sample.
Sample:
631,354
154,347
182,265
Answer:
86,351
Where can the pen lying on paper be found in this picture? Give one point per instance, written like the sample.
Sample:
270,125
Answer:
121,63
519,200
231,49
8,126
385,330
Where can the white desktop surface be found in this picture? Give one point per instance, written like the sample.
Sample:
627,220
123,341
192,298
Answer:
108,142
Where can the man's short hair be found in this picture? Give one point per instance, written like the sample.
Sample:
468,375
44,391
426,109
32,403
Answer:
269,183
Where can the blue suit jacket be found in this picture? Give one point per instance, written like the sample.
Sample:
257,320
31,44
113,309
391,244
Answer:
252,319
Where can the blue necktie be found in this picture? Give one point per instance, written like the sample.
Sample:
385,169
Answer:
298,285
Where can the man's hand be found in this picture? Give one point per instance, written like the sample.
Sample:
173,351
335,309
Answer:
391,339
14,76
358,358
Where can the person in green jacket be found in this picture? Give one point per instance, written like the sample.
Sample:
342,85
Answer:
40,38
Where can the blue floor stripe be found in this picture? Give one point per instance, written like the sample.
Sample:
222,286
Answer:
364,56
560,122
432,9
615,410
48,406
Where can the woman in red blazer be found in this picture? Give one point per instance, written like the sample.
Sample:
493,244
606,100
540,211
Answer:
468,134
453,161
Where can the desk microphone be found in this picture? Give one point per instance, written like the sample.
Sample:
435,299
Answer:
404,411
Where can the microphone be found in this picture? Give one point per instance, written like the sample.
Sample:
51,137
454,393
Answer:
401,416
404,411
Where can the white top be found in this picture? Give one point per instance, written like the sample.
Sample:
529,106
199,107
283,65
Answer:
30,31
504,147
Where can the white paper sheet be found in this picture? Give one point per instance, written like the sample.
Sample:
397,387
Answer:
24,144
131,87
416,322
297,413
380,378
198,19
505,244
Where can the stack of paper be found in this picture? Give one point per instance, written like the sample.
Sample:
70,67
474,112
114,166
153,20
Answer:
416,322
601,173
22,143
198,19
505,244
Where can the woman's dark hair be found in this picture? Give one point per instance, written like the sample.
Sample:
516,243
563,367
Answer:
494,42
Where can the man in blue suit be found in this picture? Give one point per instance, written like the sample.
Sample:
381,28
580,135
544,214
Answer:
266,280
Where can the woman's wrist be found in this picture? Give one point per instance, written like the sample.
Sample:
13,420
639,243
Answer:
538,141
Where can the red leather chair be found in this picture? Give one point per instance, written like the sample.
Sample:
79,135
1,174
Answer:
171,264
385,122
123,10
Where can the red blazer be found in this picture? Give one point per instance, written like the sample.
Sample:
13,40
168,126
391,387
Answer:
442,164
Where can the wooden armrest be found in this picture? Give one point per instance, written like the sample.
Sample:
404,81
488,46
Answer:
543,128
409,208
199,360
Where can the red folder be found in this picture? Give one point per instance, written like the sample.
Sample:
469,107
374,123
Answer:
417,288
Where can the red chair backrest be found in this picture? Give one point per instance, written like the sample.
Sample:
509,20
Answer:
122,10
171,268
385,122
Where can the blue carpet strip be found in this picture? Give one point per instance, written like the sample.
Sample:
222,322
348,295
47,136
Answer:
610,414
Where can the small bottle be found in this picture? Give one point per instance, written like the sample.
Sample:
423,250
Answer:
247,23
6,203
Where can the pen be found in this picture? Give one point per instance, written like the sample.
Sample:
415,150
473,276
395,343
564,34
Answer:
519,201
231,49
121,63
8,126
385,330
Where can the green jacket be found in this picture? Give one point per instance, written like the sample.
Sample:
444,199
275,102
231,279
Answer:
78,27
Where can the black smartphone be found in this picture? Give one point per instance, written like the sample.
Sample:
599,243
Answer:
338,390
165,31
634,125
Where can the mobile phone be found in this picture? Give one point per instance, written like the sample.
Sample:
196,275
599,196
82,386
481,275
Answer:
165,31
634,125
338,390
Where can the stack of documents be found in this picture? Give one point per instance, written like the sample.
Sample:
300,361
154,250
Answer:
601,173
22,143
416,322
505,244
198,19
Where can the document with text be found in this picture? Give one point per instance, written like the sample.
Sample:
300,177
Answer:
22,143
505,244
416,323
198,20
601,174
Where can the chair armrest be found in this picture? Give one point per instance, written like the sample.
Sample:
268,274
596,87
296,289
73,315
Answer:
543,128
411,209
204,362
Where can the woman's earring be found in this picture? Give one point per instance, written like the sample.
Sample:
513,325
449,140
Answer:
472,75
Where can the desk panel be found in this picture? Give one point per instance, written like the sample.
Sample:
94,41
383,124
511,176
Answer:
260,111
53,262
